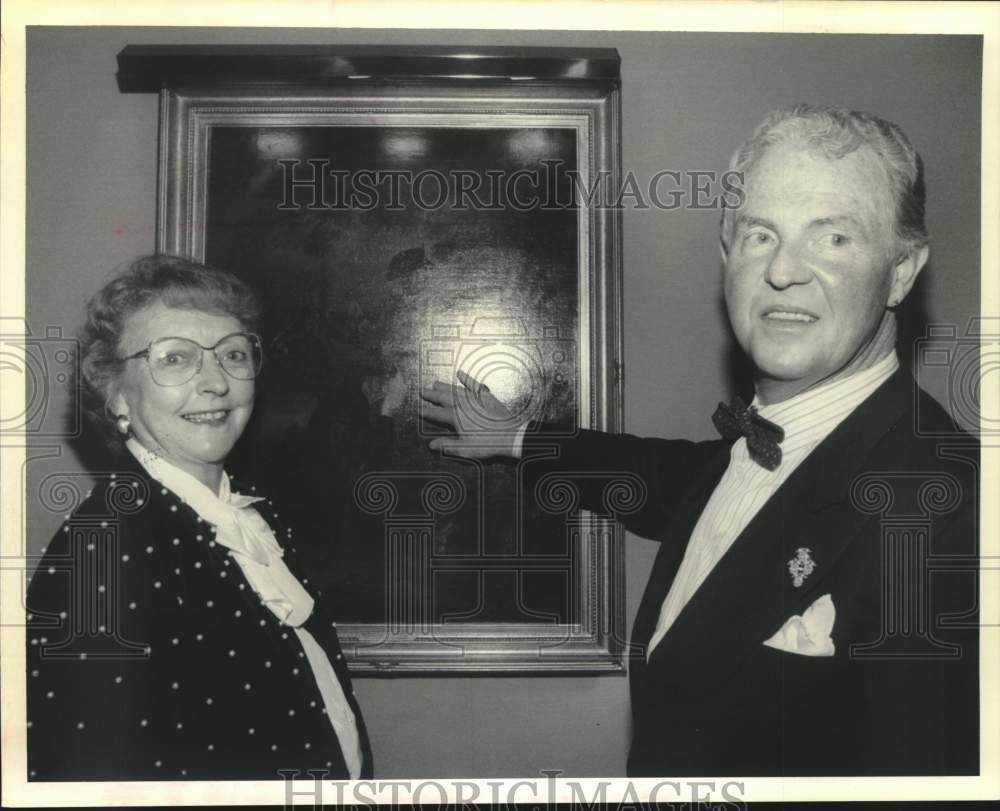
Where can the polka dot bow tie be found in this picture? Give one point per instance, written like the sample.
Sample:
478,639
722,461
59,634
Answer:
763,436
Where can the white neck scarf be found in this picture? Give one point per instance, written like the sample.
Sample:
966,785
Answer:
240,529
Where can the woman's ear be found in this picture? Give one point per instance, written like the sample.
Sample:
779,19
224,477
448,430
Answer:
117,406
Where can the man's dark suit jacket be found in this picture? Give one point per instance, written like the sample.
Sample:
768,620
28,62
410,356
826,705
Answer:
192,676
713,699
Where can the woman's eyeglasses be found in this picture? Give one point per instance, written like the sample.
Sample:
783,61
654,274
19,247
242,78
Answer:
174,361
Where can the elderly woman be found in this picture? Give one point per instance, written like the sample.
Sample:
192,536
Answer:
170,633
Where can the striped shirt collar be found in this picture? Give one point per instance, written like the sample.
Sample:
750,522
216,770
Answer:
809,417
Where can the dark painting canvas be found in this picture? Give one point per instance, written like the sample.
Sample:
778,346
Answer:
372,291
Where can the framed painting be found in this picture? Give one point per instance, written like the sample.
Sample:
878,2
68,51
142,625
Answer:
405,215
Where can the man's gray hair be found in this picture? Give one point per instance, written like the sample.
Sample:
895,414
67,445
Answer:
837,131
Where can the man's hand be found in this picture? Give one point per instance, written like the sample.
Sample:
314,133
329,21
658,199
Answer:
483,426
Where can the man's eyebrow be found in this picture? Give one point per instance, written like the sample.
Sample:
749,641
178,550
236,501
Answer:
744,221
840,219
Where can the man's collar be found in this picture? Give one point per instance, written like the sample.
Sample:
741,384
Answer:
804,416
881,369
832,467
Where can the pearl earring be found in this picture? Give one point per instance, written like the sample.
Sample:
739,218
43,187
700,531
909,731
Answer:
124,426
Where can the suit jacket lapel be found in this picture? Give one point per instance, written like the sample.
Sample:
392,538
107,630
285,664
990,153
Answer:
750,593
671,552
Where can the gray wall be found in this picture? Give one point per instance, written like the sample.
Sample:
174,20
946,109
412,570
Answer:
688,101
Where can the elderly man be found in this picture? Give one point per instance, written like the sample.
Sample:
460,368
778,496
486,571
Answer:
787,628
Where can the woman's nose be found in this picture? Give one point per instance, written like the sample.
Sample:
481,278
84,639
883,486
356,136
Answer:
212,378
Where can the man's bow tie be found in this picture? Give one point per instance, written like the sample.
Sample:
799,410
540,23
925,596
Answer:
735,420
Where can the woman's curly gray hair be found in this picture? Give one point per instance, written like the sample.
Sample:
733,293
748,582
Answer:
176,282
837,131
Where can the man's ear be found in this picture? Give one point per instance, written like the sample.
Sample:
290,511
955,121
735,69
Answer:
905,272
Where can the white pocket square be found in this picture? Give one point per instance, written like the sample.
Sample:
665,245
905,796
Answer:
808,635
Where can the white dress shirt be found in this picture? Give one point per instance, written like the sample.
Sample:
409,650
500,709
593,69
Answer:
246,534
807,419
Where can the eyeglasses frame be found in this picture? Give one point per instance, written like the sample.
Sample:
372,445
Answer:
145,353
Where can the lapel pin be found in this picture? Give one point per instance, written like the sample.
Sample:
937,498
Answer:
801,566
